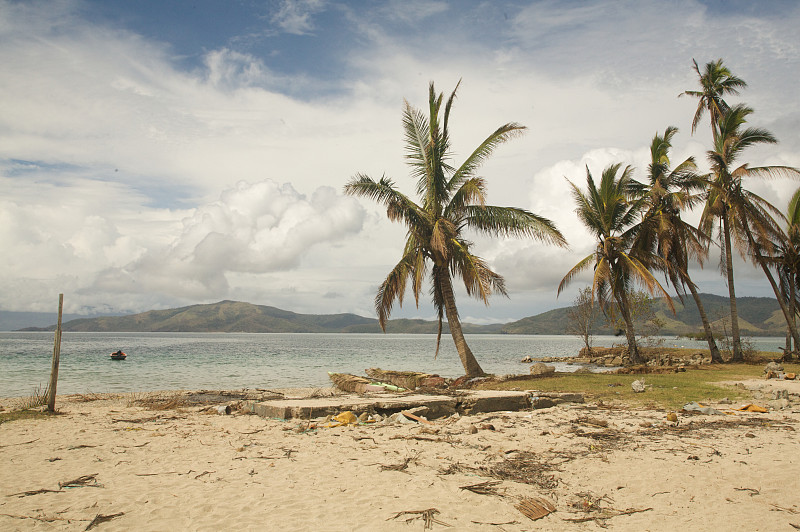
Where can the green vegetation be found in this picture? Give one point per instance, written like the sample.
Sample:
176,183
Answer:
25,413
665,391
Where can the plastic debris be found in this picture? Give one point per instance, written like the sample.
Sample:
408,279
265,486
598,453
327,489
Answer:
752,408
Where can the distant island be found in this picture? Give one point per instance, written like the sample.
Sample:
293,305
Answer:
758,316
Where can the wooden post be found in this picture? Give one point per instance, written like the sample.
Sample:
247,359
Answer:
51,389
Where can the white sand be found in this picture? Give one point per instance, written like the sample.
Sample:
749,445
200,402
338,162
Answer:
192,470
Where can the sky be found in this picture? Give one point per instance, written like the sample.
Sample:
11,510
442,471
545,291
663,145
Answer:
161,154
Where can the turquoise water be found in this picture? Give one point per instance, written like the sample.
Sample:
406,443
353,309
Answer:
171,361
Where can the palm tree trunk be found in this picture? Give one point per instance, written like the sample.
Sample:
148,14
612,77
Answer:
471,366
630,334
716,357
737,341
793,310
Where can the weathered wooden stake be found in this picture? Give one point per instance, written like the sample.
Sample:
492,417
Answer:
51,389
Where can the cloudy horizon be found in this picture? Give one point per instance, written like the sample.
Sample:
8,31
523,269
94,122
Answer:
157,155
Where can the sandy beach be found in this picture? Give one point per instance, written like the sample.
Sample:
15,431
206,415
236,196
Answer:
113,462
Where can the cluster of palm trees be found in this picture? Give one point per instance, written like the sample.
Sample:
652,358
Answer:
640,231
638,225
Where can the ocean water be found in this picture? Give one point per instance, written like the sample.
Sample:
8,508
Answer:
174,361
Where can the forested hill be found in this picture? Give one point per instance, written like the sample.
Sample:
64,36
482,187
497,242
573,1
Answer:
758,316
234,316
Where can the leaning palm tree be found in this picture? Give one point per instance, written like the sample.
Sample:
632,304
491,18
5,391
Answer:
610,215
452,200
741,217
667,192
716,81
787,261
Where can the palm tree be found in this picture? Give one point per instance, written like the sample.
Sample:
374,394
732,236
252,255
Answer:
716,81
610,215
662,230
452,201
787,261
742,218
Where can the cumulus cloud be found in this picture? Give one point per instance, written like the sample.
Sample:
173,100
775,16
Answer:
253,228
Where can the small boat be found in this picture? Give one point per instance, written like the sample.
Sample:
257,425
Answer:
119,355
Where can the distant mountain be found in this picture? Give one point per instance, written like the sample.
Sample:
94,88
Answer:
235,316
758,316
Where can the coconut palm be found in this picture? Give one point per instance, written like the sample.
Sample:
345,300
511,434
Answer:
452,200
787,261
609,214
716,81
741,217
667,192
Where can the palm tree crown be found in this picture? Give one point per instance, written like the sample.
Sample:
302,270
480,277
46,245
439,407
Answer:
716,81
452,200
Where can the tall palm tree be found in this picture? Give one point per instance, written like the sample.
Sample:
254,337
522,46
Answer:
452,201
663,232
610,215
787,261
743,218
716,81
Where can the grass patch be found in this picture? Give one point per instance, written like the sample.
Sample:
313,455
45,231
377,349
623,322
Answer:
16,415
667,391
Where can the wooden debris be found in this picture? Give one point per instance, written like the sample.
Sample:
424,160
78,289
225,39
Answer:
415,417
428,517
535,507
99,518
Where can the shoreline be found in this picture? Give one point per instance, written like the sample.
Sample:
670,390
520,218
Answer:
154,467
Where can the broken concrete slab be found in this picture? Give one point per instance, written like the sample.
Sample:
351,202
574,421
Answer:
431,406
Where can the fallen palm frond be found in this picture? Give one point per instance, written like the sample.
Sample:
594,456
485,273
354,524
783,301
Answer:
99,518
484,488
428,517
535,507
524,467
402,466
82,481
607,513
32,492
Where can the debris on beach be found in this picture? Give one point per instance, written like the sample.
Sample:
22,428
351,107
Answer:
410,380
355,384
638,386
696,407
535,507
